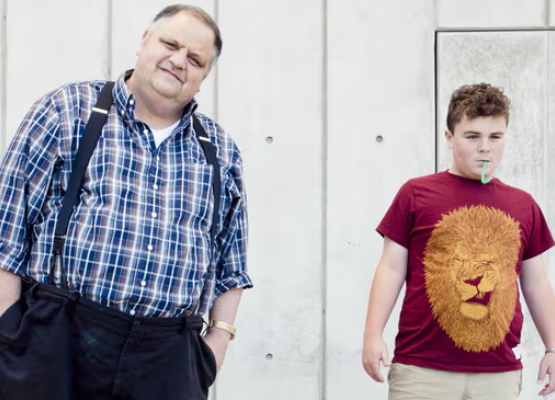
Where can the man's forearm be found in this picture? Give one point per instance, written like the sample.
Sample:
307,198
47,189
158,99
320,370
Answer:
224,309
10,289
226,305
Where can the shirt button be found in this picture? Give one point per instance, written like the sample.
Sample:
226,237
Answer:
143,283
150,247
132,312
155,186
154,215
145,131
131,101
157,158
122,112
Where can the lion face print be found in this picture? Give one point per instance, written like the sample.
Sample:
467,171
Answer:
470,272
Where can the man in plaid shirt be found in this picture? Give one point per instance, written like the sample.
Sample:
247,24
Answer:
120,318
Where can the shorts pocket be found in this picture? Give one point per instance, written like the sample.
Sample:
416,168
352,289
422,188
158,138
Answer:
392,373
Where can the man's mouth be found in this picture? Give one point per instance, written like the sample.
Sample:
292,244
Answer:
167,71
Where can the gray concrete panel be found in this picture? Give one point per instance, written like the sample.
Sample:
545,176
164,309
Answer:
380,134
270,100
49,46
490,13
515,61
130,19
551,7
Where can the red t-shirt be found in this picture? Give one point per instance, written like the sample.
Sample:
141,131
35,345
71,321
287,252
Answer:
466,242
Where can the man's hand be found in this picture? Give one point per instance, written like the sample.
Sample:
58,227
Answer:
218,340
10,290
547,367
374,351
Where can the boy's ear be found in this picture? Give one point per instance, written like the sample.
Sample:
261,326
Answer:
449,138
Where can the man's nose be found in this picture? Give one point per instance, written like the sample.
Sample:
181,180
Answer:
179,59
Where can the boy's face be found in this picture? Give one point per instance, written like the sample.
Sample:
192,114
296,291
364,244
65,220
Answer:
475,141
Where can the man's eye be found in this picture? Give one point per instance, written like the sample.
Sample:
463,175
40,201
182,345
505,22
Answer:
170,45
195,61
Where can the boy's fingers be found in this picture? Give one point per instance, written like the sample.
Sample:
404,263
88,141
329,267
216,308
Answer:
385,358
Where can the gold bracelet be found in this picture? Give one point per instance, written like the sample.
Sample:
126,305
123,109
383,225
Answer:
224,326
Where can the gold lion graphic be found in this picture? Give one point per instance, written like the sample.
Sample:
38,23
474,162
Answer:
470,270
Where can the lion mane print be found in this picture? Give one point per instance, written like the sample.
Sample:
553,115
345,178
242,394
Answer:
470,272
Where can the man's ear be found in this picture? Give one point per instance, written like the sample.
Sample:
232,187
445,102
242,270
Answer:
143,41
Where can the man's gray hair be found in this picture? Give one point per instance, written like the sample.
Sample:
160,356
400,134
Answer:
199,14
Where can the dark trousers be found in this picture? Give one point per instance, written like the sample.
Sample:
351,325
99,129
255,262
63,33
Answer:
56,345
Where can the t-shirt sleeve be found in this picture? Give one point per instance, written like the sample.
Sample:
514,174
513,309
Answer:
397,222
540,238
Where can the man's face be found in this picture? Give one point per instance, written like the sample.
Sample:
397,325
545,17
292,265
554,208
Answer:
174,57
475,141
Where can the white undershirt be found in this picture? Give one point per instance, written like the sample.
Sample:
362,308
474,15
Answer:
161,134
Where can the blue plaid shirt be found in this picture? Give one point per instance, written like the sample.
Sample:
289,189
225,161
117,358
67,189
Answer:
139,236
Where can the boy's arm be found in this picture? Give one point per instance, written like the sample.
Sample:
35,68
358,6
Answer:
539,297
388,280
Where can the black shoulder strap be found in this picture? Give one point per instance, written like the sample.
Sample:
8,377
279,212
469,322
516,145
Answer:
86,147
212,159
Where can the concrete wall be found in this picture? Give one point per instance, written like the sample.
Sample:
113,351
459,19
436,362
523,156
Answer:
333,103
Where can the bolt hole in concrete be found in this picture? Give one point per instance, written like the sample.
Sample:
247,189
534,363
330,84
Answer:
379,138
269,357
269,139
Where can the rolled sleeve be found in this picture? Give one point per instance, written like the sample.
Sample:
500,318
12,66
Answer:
25,175
231,270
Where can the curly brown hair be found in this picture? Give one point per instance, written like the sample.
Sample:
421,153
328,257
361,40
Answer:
478,100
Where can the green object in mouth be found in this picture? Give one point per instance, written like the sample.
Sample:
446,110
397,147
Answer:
484,179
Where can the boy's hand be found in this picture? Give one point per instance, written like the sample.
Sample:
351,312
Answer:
374,351
547,367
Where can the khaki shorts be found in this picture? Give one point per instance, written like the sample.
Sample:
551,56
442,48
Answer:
407,382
